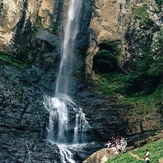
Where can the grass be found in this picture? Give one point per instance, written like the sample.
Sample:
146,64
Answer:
111,83
156,152
117,82
140,103
12,61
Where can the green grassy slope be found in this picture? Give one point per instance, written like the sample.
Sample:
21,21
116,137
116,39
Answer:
136,156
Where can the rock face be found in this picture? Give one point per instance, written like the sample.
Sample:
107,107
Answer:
109,22
30,34
117,21
105,117
101,156
20,18
22,117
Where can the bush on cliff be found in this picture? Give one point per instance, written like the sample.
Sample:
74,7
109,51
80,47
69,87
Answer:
141,79
12,60
106,58
142,14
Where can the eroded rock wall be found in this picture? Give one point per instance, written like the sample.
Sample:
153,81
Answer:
112,21
18,19
32,31
109,22
38,24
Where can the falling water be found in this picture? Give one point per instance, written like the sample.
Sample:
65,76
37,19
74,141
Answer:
58,118
58,129
62,105
68,46
80,128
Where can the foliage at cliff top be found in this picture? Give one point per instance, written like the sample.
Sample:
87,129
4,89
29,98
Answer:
142,14
137,155
159,3
12,61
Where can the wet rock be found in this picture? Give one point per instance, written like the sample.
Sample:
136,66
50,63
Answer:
46,36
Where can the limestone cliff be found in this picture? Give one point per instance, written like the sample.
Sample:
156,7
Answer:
113,20
133,25
19,18
30,36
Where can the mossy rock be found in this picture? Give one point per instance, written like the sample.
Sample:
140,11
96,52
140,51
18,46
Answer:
8,59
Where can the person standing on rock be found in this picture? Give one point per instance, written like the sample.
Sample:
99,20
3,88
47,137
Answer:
123,144
113,143
147,156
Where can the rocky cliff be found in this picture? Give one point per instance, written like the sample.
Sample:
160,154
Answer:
30,36
129,23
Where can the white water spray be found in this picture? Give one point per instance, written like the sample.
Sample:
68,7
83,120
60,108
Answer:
80,128
61,106
66,155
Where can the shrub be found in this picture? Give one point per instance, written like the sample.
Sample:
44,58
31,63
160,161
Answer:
159,3
147,72
142,14
105,60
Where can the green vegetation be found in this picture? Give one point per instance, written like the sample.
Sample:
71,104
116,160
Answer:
117,83
147,71
105,60
144,105
144,75
140,85
159,3
155,149
112,83
38,22
142,14
12,61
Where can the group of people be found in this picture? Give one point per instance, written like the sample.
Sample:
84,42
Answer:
118,144
120,147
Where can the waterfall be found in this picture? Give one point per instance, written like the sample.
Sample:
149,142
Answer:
62,130
81,126
66,155
68,47
58,118
59,129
